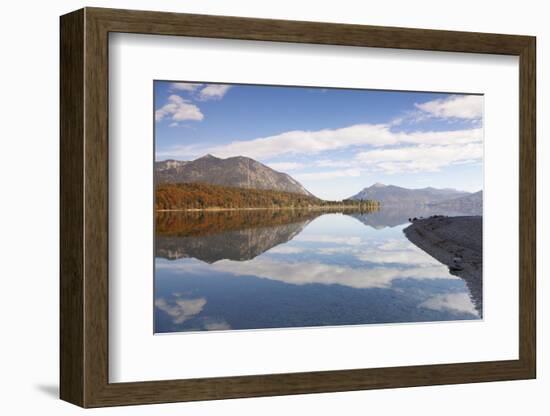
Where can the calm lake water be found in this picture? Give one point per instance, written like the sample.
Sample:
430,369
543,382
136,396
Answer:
278,269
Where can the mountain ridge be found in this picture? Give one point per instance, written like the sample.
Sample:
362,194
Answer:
472,203
392,195
236,171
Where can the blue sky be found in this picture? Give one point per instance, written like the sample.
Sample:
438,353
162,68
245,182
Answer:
333,141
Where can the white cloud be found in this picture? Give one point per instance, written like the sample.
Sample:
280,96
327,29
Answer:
178,109
213,92
456,106
182,152
174,124
317,176
285,166
327,163
184,86
311,142
201,91
307,142
420,158
453,137
394,151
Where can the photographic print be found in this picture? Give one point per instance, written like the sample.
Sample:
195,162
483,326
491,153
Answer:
293,207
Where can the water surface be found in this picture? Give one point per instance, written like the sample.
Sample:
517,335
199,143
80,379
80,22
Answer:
284,268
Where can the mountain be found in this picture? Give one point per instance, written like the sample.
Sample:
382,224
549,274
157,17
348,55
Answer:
391,195
472,203
181,196
170,165
238,172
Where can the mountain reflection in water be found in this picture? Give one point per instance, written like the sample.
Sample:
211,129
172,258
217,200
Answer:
233,235
252,269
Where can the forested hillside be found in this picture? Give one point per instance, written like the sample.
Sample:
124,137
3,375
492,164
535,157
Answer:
184,196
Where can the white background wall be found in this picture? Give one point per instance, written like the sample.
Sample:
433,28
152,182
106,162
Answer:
29,207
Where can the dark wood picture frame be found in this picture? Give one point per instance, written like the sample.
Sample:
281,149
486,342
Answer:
84,207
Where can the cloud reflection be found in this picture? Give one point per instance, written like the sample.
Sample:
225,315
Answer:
310,272
286,249
459,302
393,280
320,238
300,273
220,325
181,310
377,264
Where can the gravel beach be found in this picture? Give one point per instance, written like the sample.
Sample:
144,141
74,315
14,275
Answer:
455,242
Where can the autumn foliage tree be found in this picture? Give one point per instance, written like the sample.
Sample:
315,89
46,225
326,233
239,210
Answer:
197,196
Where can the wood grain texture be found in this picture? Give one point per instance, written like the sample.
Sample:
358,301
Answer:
225,27
84,207
71,213
527,207
96,218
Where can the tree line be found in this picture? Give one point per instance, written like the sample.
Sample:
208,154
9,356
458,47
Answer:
196,196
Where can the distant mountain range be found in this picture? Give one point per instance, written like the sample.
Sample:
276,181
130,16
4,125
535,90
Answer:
243,172
391,195
238,172
470,203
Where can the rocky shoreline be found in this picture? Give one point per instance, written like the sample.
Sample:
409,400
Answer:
456,242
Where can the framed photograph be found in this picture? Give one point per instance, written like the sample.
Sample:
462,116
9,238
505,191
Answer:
255,207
